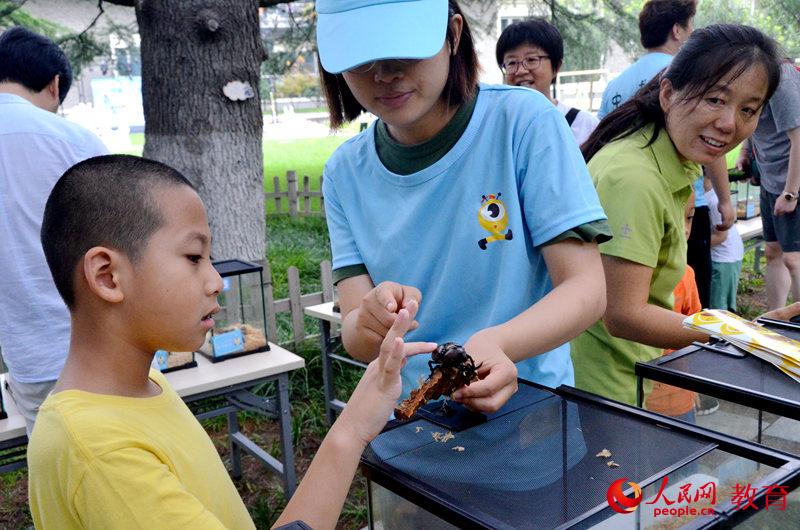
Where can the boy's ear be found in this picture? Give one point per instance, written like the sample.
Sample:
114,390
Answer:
102,268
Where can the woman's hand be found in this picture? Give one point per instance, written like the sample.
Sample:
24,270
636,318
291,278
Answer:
498,374
369,311
784,313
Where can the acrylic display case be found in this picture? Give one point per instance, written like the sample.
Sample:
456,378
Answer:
744,195
552,459
240,326
168,361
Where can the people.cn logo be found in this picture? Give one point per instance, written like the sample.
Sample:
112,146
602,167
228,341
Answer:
620,502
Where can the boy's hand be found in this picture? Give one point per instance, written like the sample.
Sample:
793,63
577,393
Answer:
498,375
380,306
376,395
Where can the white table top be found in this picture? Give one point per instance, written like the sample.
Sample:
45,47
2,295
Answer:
324,312
749,228
14,425
205,377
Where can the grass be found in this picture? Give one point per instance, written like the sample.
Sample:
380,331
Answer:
305,156
300,242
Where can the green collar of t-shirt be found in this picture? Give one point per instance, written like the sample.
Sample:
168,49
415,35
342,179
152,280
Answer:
407,159
675,171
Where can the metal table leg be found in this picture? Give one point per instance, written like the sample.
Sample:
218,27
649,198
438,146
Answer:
289,476
236,452
327,370
639,391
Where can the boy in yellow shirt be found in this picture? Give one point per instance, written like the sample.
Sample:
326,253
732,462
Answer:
128,243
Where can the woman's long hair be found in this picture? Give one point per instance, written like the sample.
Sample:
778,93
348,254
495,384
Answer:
710,54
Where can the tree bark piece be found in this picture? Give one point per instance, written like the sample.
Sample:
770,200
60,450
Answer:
440,383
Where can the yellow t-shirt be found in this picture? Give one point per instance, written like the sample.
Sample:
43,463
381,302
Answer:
102,461
643,189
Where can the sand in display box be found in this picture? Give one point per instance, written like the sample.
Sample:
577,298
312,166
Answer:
168,361
240,326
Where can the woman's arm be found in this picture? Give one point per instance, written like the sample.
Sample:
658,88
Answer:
577,300
717,172
630,316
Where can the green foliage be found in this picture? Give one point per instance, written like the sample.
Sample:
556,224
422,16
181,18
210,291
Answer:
298,85
290,37
81,48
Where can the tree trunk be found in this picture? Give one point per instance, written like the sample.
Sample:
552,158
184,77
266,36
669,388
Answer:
192,49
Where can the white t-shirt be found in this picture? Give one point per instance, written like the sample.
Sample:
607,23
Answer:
36,148
731,249
583,125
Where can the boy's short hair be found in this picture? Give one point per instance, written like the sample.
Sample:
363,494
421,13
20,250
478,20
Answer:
32,60
536,32
659,16
461,85
103,201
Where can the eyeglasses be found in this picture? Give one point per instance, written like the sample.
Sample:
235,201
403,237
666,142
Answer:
394,63
530,63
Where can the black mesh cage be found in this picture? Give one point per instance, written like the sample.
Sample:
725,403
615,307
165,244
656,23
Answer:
533,465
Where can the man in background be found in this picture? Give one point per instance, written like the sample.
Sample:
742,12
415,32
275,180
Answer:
664,25
777,152
36,148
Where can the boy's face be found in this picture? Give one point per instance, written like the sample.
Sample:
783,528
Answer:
173,292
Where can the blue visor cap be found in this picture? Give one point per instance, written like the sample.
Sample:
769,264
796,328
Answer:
354,32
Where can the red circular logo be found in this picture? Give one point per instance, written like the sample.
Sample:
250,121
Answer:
620,502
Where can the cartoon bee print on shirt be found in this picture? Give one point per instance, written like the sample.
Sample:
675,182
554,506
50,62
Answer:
494,219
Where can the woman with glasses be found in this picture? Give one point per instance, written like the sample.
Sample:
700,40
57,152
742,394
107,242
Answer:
469,200
644,157
530,54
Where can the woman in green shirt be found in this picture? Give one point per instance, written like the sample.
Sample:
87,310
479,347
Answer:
643,158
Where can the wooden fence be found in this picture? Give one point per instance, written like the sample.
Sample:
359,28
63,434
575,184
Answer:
296,301
293,197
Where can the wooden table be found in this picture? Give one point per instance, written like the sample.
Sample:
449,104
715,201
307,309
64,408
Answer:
328,347
232,379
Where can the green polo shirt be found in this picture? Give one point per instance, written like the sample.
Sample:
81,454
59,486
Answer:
644,190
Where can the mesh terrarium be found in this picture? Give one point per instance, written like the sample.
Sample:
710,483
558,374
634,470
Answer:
240,326
548,459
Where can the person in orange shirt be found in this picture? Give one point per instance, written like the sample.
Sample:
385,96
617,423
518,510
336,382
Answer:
666,399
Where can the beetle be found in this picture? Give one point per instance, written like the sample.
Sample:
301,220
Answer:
452,355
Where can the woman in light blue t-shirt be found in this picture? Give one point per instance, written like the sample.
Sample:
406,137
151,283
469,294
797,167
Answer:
472,200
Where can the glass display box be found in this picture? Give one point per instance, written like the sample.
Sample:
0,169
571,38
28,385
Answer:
240,328
744,195
168,361
569,459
